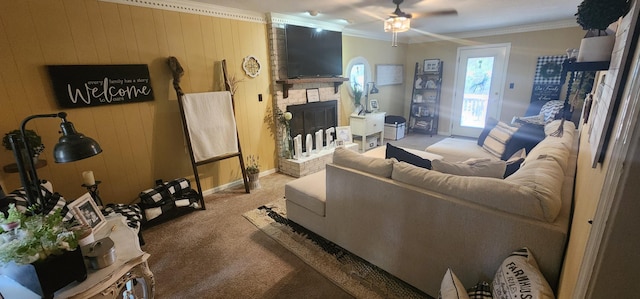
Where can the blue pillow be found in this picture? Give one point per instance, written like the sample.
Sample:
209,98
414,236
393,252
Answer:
405,156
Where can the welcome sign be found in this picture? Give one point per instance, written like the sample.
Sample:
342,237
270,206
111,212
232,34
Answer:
77,86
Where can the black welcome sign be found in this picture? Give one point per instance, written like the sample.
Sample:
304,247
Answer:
77,86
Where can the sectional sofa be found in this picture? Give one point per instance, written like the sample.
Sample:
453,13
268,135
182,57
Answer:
416,223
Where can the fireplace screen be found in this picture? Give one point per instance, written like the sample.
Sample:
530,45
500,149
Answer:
311,117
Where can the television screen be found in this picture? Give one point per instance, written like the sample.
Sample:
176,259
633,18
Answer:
313,52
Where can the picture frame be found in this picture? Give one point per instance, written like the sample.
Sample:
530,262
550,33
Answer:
313,95
87,212
373,105
431,65
389,74
339,143
344,134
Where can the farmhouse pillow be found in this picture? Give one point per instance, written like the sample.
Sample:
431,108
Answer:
519,277
376,166
498,138
472,167
402,155
488,126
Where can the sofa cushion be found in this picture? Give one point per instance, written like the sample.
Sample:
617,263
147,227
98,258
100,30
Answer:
472,167
496,141
494,193
520,267
458,149
376,166
309,192
544,177
405,156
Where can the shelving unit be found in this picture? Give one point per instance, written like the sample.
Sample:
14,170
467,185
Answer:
572,67
425,99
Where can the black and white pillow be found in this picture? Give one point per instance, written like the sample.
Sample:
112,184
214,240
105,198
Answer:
519,277
496,141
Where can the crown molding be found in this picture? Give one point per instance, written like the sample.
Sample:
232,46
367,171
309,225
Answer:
277,18
197,8
567,23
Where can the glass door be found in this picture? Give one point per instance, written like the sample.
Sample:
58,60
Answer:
479,83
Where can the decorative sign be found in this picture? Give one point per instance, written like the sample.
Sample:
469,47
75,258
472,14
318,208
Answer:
546,83
545,92
77,86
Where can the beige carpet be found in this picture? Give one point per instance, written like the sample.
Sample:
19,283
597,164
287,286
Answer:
360,279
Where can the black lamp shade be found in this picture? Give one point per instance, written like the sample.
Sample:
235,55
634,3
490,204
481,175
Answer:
374,90
74,146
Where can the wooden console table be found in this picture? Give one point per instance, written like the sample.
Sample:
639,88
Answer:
128,277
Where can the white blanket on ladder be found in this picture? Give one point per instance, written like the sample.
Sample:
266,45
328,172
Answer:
211,124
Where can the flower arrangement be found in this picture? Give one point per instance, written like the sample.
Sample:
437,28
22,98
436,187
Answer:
284,118
29,238
33,140
252,164
357,93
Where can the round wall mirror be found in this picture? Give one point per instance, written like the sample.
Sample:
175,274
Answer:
359,73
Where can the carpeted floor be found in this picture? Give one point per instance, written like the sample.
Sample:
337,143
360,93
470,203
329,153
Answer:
217,253
353,274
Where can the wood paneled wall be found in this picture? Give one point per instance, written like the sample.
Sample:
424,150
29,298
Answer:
142,142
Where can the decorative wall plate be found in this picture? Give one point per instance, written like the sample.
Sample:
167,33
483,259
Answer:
251,66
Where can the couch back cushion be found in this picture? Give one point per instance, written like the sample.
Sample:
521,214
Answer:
507,196
376,166
483,167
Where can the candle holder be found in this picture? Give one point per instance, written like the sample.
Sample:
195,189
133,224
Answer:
93,191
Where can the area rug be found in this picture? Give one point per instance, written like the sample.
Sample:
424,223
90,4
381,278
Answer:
351,273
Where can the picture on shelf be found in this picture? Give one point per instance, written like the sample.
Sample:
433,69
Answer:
344,134
373,105
313,95
431,65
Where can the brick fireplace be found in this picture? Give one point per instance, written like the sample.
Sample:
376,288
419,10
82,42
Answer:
295,91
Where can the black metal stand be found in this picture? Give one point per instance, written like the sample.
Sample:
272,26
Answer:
93,191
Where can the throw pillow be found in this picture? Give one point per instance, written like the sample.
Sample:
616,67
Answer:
488,126
405,156
376,166
472,167
519,277
496,141
526,136
482,290
451,287
514,162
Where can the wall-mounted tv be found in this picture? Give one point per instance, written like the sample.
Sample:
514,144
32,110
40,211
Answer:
313,52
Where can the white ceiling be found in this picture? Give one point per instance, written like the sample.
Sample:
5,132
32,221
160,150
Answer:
365,17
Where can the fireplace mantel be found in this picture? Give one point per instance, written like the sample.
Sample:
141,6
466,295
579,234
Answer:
288,83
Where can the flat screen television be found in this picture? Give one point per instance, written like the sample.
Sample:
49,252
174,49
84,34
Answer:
313,52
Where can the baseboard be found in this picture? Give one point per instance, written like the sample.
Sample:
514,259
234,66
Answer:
233,184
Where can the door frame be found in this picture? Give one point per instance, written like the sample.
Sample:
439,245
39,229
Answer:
500,97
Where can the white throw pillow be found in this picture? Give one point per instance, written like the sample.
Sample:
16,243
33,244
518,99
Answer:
451,287
519,277
496,141
472,167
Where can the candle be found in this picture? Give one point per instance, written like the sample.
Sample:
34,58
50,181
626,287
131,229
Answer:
87,178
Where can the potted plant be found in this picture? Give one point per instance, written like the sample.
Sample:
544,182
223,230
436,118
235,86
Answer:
33,140
253,171
595,16
39,251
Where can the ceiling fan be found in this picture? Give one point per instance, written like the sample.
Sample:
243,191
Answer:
400,21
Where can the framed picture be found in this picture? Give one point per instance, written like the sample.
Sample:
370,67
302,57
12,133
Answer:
373,105
339,143
87,212
431,65
389,74
344,134
313,95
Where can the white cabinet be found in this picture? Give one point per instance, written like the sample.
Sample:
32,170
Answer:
363,127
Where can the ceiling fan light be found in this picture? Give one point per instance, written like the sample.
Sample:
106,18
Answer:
397,24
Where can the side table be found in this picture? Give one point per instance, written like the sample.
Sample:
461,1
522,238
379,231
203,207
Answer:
128,277
367,125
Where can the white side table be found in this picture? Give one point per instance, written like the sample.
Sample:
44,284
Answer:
128,277
366,125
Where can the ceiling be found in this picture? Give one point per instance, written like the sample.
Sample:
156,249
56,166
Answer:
365,17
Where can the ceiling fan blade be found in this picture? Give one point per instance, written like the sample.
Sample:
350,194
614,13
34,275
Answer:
444,12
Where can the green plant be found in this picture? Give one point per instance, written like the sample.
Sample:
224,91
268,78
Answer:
33,140
252,164
597,15
37,237
357,93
